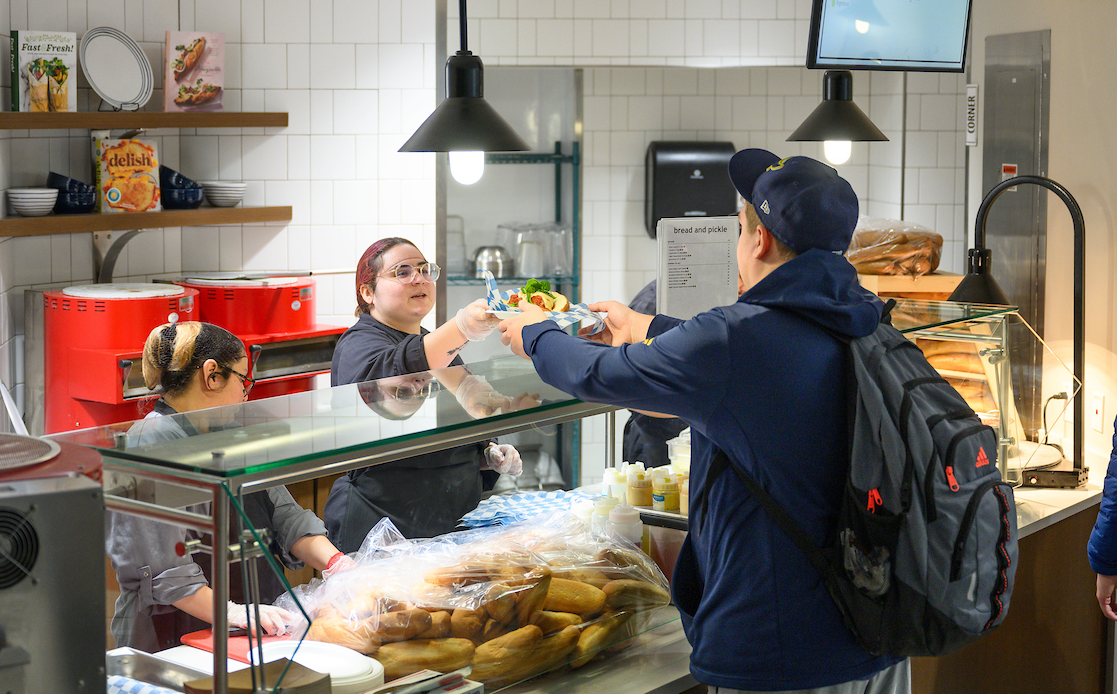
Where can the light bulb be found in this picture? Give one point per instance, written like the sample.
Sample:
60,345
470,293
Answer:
837,151
467,167
861,25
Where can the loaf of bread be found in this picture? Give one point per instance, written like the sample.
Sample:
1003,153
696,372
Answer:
358,635
966,362
976,393
440,626
401,625
574,573
551,622
896,249
405,657
500,603
598,635
626,592
530,597
499,656
467,624
571,596
548,653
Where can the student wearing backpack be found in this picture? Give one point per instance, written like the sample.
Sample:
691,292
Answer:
765,381
1102,547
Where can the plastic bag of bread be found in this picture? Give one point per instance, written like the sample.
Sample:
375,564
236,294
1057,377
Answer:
510,601
893,247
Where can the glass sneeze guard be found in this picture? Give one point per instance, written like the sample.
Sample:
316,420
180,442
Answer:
376,421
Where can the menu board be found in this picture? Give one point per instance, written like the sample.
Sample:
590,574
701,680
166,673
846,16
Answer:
697,264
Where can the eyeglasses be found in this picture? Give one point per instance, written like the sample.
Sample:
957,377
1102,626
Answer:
245,381
410,391
406,274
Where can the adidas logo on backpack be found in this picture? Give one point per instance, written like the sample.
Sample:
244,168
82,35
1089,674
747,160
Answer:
924,554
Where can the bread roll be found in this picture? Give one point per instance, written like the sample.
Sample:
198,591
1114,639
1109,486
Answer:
572,596
548,653
597,636
494,629
551,622
618,562
467,624
402,625
529,599
355,634
635,594
440,626
499,656
932,347
967,362
405,657
466,574
500,603
595,578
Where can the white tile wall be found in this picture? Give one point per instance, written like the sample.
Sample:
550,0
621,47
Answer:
357,77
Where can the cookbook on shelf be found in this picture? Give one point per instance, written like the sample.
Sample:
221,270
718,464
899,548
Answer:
194,71
44,68
126,172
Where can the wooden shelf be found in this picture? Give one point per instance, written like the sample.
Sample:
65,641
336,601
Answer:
130,120
78,223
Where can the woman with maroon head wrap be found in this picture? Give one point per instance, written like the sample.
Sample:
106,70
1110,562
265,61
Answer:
426,495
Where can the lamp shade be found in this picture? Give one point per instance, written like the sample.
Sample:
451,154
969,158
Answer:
837,117
464,121
978,286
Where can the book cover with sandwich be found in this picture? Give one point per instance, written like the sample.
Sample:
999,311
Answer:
44,70
193,71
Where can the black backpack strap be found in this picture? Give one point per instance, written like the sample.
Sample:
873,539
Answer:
698,501
781,517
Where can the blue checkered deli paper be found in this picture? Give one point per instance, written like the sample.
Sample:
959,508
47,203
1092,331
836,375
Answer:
502,509
498,301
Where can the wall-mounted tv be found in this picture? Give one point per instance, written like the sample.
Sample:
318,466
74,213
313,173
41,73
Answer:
915,35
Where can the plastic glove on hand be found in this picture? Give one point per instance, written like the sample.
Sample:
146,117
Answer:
274,620
479,399
503,458
343,563
475,322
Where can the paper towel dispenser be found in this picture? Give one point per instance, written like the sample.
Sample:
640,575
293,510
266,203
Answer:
688,179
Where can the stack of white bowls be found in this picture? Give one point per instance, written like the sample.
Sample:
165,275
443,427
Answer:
33,202
224,193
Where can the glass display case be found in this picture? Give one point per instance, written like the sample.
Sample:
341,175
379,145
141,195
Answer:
160,467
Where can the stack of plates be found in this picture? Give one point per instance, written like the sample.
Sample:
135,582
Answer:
33,202
224,193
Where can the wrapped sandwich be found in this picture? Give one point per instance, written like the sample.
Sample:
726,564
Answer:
539,293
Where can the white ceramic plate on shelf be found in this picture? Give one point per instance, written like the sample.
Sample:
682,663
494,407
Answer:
116,68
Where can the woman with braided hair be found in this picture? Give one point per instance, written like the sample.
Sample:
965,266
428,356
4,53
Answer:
164,595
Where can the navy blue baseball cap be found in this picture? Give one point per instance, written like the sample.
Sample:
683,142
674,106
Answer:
803,202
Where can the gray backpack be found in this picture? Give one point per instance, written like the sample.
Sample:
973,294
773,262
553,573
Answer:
924,553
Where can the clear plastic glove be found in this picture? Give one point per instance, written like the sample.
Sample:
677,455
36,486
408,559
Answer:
342,563
504,459
475,322
273,619
479,399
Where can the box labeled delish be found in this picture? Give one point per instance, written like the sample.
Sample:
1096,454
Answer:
44,71
193,71
127,174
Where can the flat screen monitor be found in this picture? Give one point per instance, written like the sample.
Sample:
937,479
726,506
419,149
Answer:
914,35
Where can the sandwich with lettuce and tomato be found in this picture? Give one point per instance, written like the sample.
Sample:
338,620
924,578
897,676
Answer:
539,293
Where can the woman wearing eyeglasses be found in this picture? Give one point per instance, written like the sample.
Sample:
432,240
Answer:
163,595
424,496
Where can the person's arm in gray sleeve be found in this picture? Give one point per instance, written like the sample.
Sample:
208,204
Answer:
142,552
292,523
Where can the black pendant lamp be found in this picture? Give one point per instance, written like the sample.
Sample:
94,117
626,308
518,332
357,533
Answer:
464,124
837,121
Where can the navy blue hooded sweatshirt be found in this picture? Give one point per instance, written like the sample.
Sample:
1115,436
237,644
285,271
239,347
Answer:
762,380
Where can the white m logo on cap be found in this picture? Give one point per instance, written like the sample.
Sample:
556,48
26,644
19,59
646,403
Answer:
764,206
